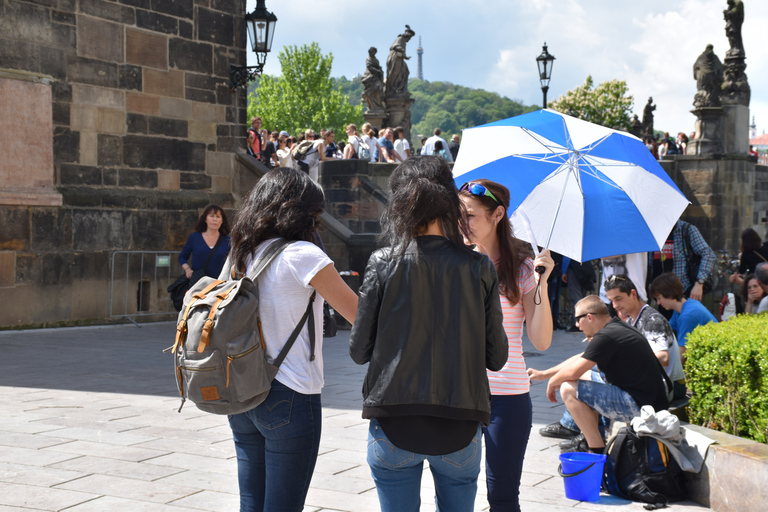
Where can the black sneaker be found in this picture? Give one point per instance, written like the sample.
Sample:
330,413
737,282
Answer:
557,430
574,444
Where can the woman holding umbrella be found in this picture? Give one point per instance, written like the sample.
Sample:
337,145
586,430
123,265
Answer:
521,289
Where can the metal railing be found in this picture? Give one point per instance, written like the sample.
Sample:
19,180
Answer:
139,283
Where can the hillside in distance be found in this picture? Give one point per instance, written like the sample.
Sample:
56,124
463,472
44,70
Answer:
445,105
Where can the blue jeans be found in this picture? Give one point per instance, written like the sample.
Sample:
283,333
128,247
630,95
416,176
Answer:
397,474
608,400
276,445
506,438
603,423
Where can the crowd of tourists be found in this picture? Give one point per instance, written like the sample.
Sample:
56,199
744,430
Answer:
439,320
387,145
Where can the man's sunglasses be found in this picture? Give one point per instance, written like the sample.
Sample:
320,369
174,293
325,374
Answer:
478,190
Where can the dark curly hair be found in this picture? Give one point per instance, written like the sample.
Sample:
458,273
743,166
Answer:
422,190
750,241
202,225
284,203
513,251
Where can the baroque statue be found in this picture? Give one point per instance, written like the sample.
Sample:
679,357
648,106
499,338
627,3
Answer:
734,17
397,70
648,118
373,82
708,72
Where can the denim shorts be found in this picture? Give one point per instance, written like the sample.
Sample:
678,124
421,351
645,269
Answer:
610,401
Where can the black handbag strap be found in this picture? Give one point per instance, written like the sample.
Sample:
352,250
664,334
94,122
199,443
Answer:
213,251
269,254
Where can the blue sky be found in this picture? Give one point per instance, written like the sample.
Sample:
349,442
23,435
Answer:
493,44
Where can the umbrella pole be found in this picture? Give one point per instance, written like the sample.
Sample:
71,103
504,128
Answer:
557,212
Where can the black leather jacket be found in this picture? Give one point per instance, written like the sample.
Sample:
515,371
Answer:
429,324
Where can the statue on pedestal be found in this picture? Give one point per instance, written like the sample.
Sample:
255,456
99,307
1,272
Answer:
735,88
373,81
647,127
397,70
708,72
637,127
734,17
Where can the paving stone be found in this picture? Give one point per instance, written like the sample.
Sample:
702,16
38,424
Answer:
32,475
128,488
110,503
17,455
41,498
136,453
211,500
194,462
104,466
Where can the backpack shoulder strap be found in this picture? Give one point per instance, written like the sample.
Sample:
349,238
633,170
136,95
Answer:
309,314
269,254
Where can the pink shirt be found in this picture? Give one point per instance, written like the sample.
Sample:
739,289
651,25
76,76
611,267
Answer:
513,379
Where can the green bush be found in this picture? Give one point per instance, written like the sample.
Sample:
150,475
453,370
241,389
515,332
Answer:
727,370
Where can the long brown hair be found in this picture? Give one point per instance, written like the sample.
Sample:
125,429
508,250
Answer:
513,251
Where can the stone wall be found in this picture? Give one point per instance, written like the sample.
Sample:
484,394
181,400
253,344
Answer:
134,130
726,193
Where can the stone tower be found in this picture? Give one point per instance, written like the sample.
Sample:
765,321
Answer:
420,52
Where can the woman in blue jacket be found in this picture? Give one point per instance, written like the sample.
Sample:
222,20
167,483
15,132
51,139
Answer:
211,225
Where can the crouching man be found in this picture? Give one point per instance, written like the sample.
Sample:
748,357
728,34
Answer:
634,377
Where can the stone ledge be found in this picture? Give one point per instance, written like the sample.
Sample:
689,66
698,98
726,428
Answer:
30,197
734,471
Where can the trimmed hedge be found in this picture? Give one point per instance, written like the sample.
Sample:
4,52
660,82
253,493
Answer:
727,370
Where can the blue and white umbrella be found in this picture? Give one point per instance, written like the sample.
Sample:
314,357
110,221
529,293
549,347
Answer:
588,191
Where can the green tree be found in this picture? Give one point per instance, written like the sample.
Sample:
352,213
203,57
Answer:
304,96
609,104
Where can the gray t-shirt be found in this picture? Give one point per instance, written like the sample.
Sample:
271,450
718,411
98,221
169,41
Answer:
660,336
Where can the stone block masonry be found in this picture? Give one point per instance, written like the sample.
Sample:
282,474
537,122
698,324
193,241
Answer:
120,123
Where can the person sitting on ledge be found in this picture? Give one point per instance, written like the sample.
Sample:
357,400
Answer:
633,375
688,314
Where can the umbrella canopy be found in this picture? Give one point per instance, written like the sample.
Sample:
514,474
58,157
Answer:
588,191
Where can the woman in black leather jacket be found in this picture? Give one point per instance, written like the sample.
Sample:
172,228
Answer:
429,322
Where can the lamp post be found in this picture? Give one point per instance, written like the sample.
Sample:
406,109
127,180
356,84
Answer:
544,61
261,29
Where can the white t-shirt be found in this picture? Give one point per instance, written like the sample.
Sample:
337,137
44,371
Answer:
284,157
763,305
284,292
400,146
313,159
371,145
354,141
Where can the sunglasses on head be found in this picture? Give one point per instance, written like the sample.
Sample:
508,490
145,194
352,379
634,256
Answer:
478,190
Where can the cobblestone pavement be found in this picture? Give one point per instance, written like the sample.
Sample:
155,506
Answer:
88,423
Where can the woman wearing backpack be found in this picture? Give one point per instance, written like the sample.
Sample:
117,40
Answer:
429,323
352,150
281,436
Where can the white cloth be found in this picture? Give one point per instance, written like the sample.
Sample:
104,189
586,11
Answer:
371,145
429,146
354,141
634,265
284,292
313,159
689,448
285,158
400,146
763,305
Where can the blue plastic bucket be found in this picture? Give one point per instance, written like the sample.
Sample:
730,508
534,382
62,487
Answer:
582,474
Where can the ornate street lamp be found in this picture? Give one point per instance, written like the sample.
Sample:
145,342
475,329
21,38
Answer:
544,61
261,30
